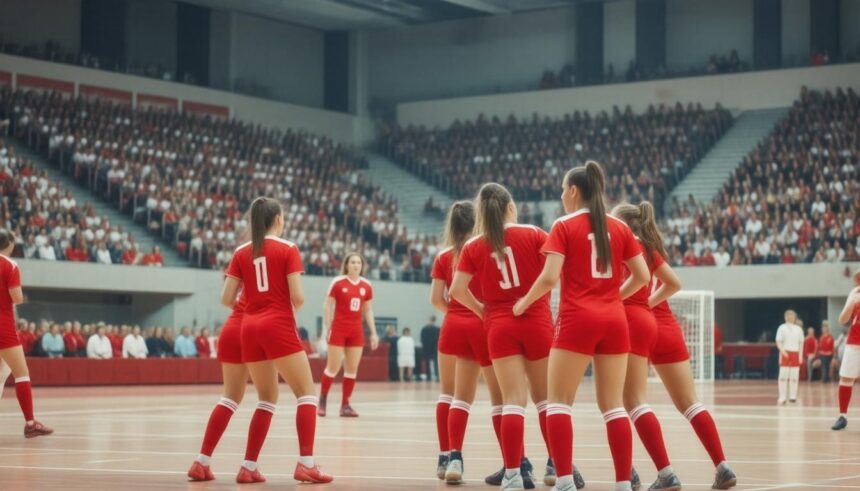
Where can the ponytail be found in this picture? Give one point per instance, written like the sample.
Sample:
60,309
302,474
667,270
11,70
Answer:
492,207
459,225
590,182
264,211
642,222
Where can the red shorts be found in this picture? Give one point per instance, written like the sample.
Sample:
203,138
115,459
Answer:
594,332
230,340
8,336
671,346
268,336
643,329
791,360
463,336
346,337
529,335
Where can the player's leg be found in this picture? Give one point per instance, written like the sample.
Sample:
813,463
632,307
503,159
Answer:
5,371
609,374
266,382
849,370
351,361
793,383
536,373
510,372
296,371
497,404
678,380
14,357
235,377
465,384
447,368
782,384
564,373
645,421
334,360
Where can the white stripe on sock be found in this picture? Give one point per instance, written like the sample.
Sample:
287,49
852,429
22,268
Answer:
266,406
613,414
496,410
329,374
640,411
307,401
541,406
350,375
229,404
25,378
461,405
511,410
445,399
555,409
694,411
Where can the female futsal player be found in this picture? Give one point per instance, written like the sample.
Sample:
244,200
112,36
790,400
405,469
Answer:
849,371
643,337
268,270
506,259
10,346
671,359
588,248
348,301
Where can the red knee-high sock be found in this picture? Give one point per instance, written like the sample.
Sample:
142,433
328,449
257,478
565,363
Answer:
24,392
458,418
306,424
541,408
651,435
559,425
442,407
844,398
258,429
218,421
348,386
513,424
706,430
496,413
325,383
620,442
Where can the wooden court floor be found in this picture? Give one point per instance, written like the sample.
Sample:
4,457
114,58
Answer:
146,437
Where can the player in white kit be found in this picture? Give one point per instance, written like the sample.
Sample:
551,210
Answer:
789,340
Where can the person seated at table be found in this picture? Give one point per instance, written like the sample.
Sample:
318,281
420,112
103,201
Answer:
98,346
155,344
134,346
52,342
201,342
184,346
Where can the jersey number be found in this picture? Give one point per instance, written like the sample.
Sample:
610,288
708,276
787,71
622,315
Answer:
355,304
262,274
506,283
595,273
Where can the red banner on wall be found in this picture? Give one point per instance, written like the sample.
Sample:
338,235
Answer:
47,84
113,95
206,109
5,78
159,101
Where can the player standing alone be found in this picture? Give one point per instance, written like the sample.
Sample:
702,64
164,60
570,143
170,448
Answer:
789,340
348,301
11,352
268,270
850,368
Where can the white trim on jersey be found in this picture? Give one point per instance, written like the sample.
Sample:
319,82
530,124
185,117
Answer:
473,239
278,239
520,225
445,251
333,282
239,248
575,214
13,263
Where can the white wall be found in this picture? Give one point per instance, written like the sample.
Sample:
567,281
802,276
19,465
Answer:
850,30
339,126
696,29
751,90
619,34
151,34
286,59
37,21
795,32
470,56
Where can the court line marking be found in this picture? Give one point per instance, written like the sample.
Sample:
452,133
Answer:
99,411
107,461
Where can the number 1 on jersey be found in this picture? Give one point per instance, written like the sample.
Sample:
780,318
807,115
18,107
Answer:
595,273
262,274
506,284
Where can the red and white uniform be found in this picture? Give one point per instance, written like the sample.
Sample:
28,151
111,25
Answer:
268,325
850,367
592,318
230,340
10,277
462,332
347,329
640,320
504,280
790,336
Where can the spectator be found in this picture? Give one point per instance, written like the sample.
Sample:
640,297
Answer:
154,258
213,343
430,348
201,342
131,256
825,350
52,342
102,255
27,336
116,337
306,344
391,339
185,346
134,346
98,346
406,354
156,346
810,352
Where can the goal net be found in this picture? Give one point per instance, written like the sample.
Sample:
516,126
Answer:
694,310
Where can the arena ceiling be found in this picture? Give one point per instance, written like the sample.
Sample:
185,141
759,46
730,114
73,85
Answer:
333,15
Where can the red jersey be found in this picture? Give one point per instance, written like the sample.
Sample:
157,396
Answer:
10,277
349,298
443,269
826,345
810,346
28,340
504,280
641,297
583,286
202,344
264,279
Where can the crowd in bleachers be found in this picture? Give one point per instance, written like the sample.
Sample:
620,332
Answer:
644,155
794,199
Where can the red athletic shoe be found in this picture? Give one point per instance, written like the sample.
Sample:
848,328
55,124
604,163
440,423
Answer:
247,476
200,472
348,412
311,474
36,429
321,407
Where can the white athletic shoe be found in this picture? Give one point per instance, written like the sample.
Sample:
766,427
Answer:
515,482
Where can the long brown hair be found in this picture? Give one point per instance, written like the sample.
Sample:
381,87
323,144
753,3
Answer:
459,225
344,266
641,220
491,207
264,211
6,238
589,180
